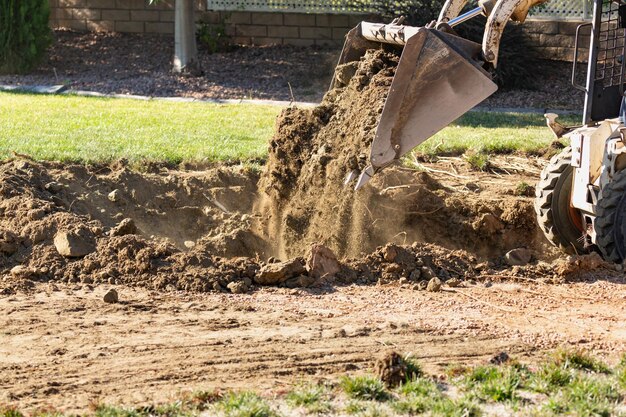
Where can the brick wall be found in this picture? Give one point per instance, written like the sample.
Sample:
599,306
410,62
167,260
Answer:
244,27
285,28
112,15
554,39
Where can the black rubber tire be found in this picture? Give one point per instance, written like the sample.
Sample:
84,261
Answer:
552,204
610,222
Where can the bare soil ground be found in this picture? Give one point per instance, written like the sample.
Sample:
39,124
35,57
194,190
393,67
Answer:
140,64
63,347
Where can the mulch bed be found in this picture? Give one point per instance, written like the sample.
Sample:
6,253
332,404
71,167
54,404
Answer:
140,64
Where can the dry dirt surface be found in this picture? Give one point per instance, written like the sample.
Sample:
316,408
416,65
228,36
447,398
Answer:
63,347
140,64
116,63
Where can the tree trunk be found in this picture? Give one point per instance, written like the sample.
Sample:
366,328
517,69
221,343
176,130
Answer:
185,49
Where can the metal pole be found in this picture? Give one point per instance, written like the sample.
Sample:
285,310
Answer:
466,16
185,50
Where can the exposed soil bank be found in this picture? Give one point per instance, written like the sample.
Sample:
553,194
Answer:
198,231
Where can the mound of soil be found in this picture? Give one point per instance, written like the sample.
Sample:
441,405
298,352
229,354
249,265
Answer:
313,150
192,231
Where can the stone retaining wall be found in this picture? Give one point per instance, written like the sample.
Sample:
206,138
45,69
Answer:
554,39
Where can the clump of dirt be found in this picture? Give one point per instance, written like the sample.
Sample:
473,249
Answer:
313,150
393,369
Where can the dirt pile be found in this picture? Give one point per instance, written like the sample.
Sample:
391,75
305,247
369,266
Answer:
313,150
196,232
172,231
232,230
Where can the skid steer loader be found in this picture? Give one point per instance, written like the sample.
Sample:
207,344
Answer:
581,196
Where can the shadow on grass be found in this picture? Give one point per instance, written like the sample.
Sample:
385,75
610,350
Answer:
510,120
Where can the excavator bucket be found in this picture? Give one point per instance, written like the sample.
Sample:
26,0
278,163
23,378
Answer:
438,79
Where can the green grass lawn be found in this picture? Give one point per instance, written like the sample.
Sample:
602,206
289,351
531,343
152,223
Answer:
89,129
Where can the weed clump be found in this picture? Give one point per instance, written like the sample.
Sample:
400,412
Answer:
245,404
478,160
364,388
313,398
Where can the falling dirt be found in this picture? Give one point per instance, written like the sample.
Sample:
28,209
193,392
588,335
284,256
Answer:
313,150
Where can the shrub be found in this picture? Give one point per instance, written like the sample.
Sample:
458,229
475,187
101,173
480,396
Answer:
213,37
364,388
24,34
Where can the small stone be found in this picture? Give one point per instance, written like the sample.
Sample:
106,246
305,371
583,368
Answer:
434,285
75,244
403,281
237,287
422,285
518,257
427,273
189,244
488,284
114,196
111,297
415,275
280,272
390,253
21,271
53,187
125,227
322,261
500,358
453,282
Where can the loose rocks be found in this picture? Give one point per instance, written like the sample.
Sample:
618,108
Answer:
237,287
111,297
519,257
280,272
114,196
322,261
126,227
75,244
434,285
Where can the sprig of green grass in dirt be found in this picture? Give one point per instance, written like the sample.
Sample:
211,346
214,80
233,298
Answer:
245,404
314,398
365,387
